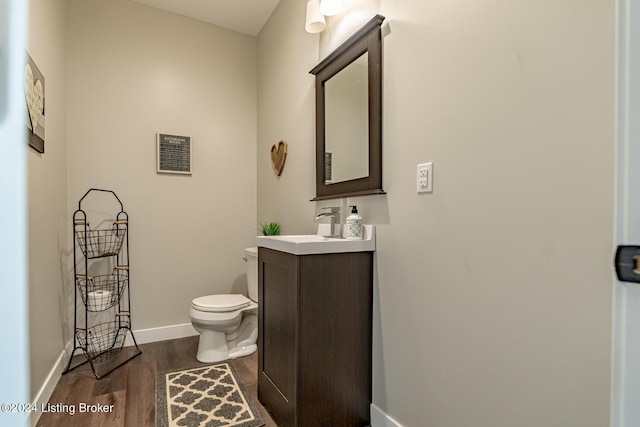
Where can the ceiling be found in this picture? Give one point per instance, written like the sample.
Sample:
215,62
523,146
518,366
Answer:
245,16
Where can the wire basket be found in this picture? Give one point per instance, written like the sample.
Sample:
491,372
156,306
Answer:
104,341
102,292
101,243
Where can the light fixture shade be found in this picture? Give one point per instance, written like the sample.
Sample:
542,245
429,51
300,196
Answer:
330,7
315,19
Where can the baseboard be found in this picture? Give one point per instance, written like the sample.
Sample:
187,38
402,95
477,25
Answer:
162,333
142,336
380,419
45,392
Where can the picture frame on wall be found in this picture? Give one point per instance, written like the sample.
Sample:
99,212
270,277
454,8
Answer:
173,154
34,92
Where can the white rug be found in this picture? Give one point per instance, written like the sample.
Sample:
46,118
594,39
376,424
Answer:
206,396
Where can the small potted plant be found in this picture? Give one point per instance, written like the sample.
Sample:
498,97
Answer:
270,228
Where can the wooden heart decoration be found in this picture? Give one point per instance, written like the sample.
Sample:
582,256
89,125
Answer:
34,94
278,157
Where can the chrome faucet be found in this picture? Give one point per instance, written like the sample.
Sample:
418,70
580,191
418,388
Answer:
334,214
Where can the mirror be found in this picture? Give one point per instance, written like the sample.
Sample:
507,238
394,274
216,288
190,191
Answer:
349,116
346,119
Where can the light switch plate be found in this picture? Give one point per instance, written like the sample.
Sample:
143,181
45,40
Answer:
424,178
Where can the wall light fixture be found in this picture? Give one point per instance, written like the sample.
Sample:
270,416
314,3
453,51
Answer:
317,10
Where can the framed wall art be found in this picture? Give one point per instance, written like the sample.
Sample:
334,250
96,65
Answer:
174,153
35,105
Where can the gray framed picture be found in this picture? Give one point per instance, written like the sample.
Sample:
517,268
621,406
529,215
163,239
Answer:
174,154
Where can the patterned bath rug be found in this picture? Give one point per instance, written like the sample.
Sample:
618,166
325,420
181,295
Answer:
206,396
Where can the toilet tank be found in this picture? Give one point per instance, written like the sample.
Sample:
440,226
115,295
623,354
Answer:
252,272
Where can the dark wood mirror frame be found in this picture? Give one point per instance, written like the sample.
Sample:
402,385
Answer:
367,39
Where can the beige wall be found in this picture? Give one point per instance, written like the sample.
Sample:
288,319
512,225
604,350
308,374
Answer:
47,192
286,53
134,71
493,294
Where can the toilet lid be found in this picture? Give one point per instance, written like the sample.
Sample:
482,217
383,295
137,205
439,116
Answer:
220,303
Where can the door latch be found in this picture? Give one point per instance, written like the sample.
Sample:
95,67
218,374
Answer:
627,263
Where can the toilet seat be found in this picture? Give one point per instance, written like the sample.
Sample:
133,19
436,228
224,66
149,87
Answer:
221,303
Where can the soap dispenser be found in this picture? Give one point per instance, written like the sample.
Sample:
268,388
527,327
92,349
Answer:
353,227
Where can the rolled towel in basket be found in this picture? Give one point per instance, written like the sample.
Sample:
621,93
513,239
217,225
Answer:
92,242
98,300
104,242
109,242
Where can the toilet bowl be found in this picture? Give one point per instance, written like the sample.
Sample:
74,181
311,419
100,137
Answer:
228,323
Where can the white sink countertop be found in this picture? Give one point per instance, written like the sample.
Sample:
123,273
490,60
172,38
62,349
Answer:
307,244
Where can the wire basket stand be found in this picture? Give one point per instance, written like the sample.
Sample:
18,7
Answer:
102,343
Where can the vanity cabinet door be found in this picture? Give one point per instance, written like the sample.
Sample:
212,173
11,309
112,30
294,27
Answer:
335,299
277,334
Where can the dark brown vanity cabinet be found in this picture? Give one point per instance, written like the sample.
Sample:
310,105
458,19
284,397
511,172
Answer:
314,344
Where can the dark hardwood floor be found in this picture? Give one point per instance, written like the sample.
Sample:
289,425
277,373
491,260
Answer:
131,387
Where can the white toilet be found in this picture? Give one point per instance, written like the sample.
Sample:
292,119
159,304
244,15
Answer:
228,323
